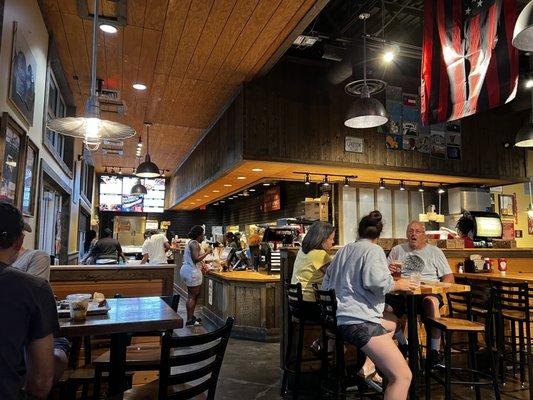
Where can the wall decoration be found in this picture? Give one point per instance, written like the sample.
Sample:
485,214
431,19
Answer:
529,225
353,144
30,178
453,152
410,143
12,138
438,151
394,142
409,128
272,199
518,233
508,230
22,79
507,205
453,138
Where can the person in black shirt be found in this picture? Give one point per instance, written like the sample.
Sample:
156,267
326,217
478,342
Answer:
107,250
29,318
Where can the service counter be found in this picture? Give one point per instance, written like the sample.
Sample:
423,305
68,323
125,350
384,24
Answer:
252,298
129,280
519,260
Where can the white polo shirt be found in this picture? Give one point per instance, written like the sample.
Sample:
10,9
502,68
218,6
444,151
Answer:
155,248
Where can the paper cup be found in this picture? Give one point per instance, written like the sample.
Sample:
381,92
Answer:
78,304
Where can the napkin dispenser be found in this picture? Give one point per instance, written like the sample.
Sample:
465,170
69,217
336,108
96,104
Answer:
474,263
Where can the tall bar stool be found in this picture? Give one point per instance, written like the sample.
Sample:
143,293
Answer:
512,305
296,317
477,307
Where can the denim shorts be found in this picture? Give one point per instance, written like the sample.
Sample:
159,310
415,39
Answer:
360,334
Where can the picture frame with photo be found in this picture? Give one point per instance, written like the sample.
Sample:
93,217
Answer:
12,148
507,204
22,76
31,171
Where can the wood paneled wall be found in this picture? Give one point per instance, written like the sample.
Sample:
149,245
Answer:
293,115
218,151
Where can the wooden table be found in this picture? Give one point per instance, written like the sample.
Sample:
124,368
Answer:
514,277
426,288
134,314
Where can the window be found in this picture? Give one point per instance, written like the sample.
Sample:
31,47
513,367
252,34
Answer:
84,225
86,180
60,146
50,226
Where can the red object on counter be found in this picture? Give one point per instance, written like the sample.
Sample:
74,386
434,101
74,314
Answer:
502,264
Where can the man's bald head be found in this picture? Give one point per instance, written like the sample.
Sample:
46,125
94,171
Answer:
416,235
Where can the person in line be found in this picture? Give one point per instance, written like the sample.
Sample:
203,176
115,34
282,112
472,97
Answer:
191,271
29,318
88,244
361,279
417,256
37,263
465,228
231,241
107,250
155,248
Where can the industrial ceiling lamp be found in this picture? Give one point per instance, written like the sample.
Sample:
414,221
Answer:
524,137
441,189
523,29
91,128
402,186
325,182
147,169
138,188
365,112
382,184
307,181
346,181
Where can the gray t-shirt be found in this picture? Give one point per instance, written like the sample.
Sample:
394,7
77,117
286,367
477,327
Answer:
28,312
430,262
35,262
361,279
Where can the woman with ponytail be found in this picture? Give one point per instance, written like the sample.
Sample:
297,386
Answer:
361,278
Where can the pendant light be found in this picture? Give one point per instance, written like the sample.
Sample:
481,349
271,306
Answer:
530,206
523,29
147,169
138,188
365,112
524,137
91,128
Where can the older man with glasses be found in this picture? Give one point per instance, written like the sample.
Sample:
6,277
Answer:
416,256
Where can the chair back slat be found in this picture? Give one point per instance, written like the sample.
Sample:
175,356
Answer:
195,346
294,295
458,302
512,297
327,301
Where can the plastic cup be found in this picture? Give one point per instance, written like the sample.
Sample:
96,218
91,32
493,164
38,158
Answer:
415,279
78,304
397,273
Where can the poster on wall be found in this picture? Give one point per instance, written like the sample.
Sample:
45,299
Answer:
22,78
11,140
508,230
529,224
30,178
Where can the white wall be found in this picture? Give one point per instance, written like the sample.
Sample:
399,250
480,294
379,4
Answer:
31,25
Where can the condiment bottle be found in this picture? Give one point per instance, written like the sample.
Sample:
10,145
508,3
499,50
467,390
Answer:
502,264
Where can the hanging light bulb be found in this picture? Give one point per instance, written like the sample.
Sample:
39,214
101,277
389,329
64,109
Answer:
307,181
441,189
402,185
346,182
325,182
382,184
421,187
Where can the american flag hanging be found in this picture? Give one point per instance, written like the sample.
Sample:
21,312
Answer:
468,61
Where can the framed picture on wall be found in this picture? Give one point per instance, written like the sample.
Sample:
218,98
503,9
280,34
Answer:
507,205
31,170
22,78
12,138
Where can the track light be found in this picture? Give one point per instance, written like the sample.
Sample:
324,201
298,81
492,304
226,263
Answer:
402,185
381,184
325,182
421,187
346,182
307,181
441,190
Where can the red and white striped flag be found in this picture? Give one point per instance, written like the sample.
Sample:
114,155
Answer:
468,61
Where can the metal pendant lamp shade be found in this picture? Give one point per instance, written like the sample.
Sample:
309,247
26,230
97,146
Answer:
365,111
138,188
147,169
91,128
524,137
523,29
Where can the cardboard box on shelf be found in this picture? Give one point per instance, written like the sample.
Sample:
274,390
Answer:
504,244
317,208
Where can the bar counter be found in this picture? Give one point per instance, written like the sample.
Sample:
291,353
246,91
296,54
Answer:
253,298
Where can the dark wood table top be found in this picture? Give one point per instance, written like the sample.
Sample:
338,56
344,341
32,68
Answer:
133,314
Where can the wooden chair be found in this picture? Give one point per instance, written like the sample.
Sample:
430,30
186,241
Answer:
477,307
189,368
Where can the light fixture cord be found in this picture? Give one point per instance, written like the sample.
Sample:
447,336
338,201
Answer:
529,183
364,51
148,139
93,66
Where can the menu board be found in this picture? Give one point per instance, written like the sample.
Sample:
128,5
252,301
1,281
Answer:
115,194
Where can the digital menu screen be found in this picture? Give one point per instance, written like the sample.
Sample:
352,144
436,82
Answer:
488,227
115,194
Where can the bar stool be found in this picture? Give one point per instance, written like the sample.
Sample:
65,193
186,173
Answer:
327,301
296,316
476,307
512,306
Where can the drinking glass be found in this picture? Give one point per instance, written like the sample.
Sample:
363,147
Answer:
397,273
415,279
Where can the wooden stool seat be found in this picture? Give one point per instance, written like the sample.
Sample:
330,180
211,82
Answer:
457,324
514,315
150,392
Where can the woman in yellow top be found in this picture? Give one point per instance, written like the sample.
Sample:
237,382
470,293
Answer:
311,263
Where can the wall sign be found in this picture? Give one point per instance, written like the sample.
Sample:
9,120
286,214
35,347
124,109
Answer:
353,144
272,200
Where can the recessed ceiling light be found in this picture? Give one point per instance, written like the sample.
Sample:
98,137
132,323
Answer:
139,86
266,184
222,201
191,203
216,191
198,199
108,28
257,169
227,185
241,178
251,190
205,195
241,194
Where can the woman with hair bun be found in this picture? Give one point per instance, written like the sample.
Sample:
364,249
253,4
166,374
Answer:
361,278
191,271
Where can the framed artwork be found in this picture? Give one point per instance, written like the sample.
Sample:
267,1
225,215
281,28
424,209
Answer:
22,78
30,178
12,138
507,205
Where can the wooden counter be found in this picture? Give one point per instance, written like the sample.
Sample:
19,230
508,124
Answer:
129,280
251,297
499,276
518,260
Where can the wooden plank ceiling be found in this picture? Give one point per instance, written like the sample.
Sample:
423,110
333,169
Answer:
192,55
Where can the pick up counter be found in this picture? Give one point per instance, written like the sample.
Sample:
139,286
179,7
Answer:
519,260
252,298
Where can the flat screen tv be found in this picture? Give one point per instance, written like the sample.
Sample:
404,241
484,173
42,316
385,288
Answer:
487,225
115,194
